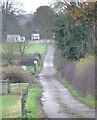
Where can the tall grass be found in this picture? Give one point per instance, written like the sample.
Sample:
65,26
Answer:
79,74
85,75
84,63
88,100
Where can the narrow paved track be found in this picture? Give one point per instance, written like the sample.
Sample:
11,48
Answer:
57,101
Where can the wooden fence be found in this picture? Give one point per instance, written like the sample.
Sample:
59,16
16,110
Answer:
23,103
24,99
4,86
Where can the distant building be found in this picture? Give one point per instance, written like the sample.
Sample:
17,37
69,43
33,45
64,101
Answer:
35,36
22,39
15,38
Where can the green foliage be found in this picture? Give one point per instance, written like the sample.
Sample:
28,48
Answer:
34,106
74,41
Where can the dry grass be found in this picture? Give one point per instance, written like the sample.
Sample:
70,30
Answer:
16,74
85,75
81,74
11,106
15,110
83,64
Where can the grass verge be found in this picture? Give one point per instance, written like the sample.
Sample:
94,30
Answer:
34,107
84,99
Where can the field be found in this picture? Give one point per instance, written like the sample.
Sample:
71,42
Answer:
11,103
32,48
11,106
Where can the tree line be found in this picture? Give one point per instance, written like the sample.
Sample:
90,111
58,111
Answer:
41,21
75,29
74,25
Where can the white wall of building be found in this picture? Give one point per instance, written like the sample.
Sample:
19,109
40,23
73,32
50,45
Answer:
35,36
16,38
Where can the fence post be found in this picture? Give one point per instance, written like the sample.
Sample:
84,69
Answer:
24,99
8,86
34,68
22,104
30,83
26,114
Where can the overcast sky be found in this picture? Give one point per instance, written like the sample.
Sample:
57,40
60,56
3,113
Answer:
32,5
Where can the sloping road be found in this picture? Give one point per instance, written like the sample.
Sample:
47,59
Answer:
57,101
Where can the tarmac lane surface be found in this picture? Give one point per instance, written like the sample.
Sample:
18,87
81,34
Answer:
56,99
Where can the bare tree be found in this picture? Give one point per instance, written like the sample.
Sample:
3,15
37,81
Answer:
11,12
59,6
9,51
22,46
12,50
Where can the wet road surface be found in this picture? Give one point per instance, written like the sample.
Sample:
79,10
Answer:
56,100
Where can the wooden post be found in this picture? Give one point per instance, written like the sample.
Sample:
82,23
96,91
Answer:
34,68
19,86
26,114
30,84
22,104
8,86
35,65
22,107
